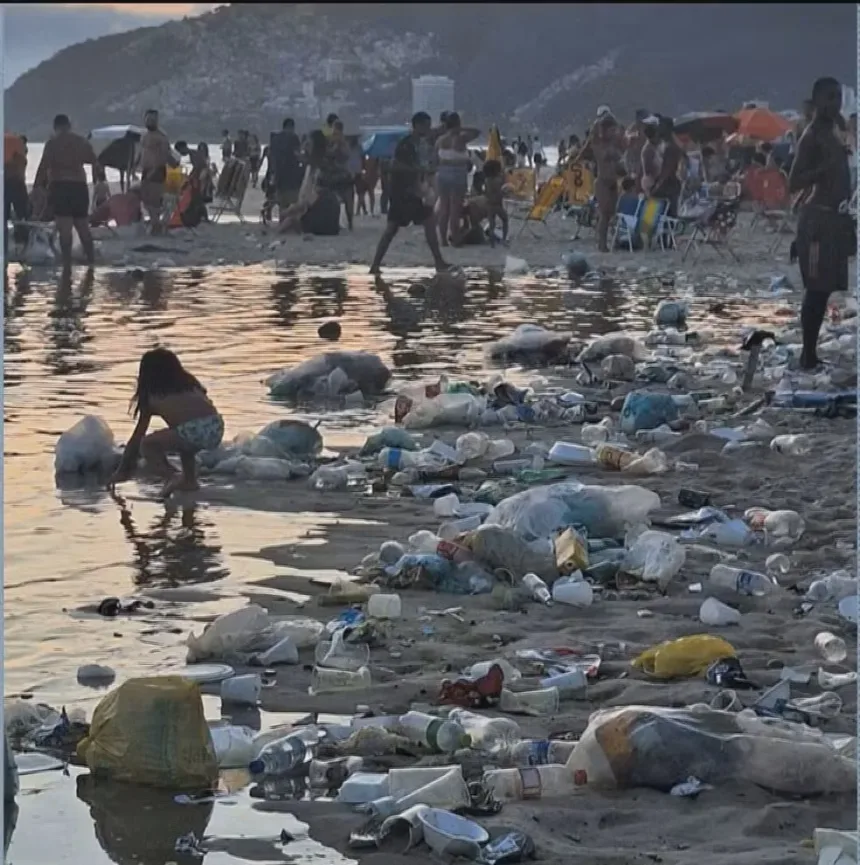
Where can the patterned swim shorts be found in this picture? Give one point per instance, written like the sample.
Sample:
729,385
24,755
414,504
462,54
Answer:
202,433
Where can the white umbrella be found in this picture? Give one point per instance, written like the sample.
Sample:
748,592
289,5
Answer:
117,146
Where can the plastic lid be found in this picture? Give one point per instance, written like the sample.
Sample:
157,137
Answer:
257,767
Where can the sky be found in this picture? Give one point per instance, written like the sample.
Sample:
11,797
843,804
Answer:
37,31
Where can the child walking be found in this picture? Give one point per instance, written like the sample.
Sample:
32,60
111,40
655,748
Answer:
167,390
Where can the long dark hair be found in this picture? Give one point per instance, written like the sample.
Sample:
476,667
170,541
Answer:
161,373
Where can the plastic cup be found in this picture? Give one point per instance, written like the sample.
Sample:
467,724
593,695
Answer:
242,690
575,593
541,702
717,614
831,647
382,606
339,655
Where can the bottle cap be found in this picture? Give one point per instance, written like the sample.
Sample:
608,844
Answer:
257,767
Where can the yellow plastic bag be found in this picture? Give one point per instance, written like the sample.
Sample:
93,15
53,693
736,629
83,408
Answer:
686,656
152,732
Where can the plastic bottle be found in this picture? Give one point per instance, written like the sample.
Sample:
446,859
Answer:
652,462
384,606
538,589
659,436
438,734
329,478
487,734
833,587
597,433
282,757
831,647
328,679
778,563
569,683
537,752
283,652
512,467
234,745
827,705
543,701
337,654
396,459
741,581
792,445
567,454
573,590
614,457
535,782
472,446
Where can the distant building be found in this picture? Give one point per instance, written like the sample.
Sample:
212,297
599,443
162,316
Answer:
433,94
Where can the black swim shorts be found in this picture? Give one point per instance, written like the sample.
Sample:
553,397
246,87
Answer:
69,199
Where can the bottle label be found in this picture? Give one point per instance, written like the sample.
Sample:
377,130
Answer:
447,550
432,732
531,783
746,581
393,458
539,753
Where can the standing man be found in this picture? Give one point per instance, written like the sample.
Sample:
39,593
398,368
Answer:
285,165
155,157
329,124
826,232
226,146
62,171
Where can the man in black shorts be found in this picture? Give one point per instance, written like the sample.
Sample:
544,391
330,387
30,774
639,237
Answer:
826,232
406,206
62,171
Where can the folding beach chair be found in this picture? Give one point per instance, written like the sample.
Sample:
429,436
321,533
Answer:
232,186
714,229
545,201
771,200
625,226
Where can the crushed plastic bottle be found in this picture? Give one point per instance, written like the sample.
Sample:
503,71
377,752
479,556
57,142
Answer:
792,445
784,524
833,587
471,446
741,581
831,647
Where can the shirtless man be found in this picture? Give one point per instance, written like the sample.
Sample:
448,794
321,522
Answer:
606,146
62,171
155,157
825,229
668,184
635,143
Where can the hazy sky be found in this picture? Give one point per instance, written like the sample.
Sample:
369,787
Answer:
37,31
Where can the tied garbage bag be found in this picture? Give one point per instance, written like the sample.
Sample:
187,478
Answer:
657,747
531,342
643,410
293,439
604,512
671,312
87,446
152,732
613,343
362,369
686,656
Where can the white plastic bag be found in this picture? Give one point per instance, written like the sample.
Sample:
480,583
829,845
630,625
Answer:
613,343
529,339
87,446
654,557
263,468
454,409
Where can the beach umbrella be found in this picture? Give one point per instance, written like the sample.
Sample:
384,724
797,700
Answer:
703,126
117,146
494,147
381,145
762,124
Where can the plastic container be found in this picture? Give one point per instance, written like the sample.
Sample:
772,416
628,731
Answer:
792,445
573,591
538,589
567,454
284,651
383,606
534,782
337,654
538,752
447,790
661,435
446,506
404,782
363,787
716,614
544,701
512,467
476,671
499,449
741,581
437,734
242,690
831,647
614,457
327,679
487,734
281,757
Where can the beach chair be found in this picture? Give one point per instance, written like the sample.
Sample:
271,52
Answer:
771,200
583,215
545,202
714,229
230,192
625,226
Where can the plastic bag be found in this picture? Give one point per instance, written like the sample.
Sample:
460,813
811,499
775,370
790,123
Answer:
292,438
686,656
367,371
498,547
389,437
454,409
87,446
671,312
249,631
261,468
152,732
657,747
529,340
654,557
605,512
643,410
613,343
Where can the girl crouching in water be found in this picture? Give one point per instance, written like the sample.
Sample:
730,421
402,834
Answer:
167,390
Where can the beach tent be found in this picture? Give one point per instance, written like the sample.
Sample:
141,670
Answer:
117,146
381,143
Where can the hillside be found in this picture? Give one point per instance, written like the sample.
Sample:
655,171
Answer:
528,66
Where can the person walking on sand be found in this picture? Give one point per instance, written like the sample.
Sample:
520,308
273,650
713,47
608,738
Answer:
406,205
62,172
826,232
607,154
155,157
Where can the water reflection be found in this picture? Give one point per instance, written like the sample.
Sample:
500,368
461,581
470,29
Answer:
66,329
176,550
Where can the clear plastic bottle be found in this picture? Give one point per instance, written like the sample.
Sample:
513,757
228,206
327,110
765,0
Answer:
831,647
438,734
833,587
792,445
538,589
396,459
426,542
658,436
454,528
489,735
537,752
535,782
282,757
614,457
741,581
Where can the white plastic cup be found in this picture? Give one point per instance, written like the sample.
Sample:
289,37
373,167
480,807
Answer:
382,606
242,690
715,613
339,655
576,592
831,647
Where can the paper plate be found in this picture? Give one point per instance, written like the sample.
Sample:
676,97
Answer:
32,763
849,608
205,674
